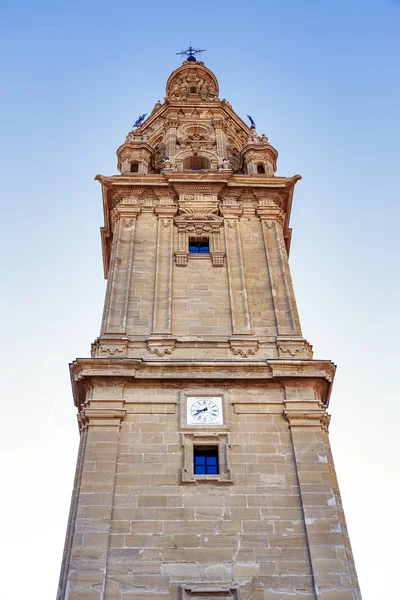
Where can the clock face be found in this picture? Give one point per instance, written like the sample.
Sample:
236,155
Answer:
203,411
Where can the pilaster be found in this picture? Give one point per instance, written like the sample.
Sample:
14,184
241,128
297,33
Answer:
84,573
159,341
170,146
117,295
287,318
330,565
220,139
236,277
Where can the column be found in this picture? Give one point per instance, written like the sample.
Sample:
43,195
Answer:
119,278
329,558
287,318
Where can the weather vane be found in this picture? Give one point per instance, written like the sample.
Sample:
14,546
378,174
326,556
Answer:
252,124
190,52
139,121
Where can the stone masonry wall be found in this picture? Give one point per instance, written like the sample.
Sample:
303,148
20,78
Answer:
200,300
200,292
142,533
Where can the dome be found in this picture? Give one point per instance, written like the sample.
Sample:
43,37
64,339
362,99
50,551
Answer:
192,81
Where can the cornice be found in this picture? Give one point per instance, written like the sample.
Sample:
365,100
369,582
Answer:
264,181
83,370
131,181
136,146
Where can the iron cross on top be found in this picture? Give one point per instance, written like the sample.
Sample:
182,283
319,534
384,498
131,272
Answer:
190,52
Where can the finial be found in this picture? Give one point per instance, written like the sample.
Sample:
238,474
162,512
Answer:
190,52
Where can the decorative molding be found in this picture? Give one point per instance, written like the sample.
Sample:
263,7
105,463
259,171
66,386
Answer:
84,370
317,418
160,346
109,348
243,347
103,417
181,259
269,214
218,258
294,347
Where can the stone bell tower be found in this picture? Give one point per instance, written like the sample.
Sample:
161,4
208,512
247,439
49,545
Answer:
204,469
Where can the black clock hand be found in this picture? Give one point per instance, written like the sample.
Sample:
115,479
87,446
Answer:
200,411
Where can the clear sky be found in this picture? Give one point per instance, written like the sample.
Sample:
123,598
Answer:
321,80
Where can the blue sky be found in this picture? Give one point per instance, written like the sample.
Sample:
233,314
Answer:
321,81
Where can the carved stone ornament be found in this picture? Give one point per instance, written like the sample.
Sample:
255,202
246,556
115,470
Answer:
192,81
295,348
115,215
109,348
244,347
199,220
160,346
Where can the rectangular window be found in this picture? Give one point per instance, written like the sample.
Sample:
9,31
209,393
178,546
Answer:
205,460
134,167
202,247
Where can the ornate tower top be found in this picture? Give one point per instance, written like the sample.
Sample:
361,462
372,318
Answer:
194,130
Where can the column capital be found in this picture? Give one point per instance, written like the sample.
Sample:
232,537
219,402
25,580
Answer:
125,211
301,418
231,212
270,213
165,212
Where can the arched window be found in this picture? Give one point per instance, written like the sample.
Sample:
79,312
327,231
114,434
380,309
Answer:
260,169
196,163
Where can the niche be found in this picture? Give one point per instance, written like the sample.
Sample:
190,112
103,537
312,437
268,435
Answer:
196,163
